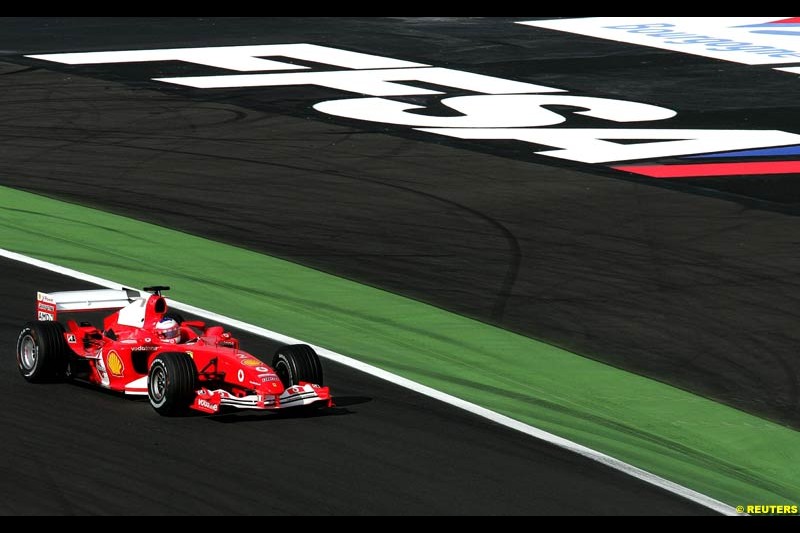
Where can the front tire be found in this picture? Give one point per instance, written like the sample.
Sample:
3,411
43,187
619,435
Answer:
297,362
171,383
42,352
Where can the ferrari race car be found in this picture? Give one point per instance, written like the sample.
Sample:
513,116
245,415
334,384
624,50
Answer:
143,348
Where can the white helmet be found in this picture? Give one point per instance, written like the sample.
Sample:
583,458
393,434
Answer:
168,330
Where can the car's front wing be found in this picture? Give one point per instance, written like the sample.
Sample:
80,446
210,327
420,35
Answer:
210,401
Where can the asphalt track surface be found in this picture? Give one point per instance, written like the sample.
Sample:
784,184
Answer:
691,285
75,450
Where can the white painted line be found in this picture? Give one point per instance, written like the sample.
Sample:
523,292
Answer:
498,418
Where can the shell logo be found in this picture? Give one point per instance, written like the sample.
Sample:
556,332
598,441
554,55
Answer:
252,362
114,364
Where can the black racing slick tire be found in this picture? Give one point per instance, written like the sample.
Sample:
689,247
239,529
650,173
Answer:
174,315
171,383
297,362
42,352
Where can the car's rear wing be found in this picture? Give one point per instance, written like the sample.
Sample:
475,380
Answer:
49,305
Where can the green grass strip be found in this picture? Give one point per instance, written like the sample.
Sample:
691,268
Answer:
709,447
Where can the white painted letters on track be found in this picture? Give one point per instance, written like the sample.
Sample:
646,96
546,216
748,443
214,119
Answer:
501,109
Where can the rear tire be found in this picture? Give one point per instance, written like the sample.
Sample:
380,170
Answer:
297,362
42,352
174,315
171,383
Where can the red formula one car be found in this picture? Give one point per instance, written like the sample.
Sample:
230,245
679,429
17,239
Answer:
144,349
